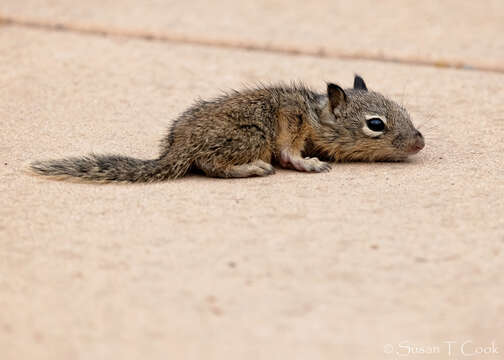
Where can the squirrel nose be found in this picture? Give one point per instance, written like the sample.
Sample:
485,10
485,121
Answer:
418,144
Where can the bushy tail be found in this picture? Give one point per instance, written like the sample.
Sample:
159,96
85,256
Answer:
111,168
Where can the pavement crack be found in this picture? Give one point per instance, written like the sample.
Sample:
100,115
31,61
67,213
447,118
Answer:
290,50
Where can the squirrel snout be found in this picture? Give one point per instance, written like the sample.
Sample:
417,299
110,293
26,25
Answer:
418,144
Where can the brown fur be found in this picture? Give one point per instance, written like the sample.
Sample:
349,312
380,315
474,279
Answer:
241,134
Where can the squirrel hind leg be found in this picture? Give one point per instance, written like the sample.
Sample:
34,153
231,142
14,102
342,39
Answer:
254,168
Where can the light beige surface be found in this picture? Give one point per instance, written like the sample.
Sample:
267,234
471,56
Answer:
460,32
292,266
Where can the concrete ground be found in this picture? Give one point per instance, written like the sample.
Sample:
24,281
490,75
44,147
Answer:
368,261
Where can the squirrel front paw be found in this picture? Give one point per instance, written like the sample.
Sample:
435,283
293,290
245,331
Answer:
311,165
303,164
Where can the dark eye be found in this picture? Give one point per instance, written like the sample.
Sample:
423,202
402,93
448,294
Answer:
375,124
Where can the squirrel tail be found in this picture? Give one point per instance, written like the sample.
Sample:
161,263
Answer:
112,168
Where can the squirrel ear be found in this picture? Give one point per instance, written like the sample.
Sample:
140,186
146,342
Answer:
359,83
336,96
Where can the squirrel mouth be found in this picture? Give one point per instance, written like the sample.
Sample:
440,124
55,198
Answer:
414,150
418,145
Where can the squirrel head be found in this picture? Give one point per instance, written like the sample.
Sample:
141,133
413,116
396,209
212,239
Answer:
358,124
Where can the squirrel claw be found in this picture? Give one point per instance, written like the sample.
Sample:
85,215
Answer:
318,166
326,167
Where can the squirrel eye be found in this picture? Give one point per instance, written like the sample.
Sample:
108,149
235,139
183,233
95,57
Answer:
375,124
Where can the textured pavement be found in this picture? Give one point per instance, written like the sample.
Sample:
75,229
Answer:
355,263
463,33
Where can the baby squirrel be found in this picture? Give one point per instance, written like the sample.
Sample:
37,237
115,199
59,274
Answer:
242,133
